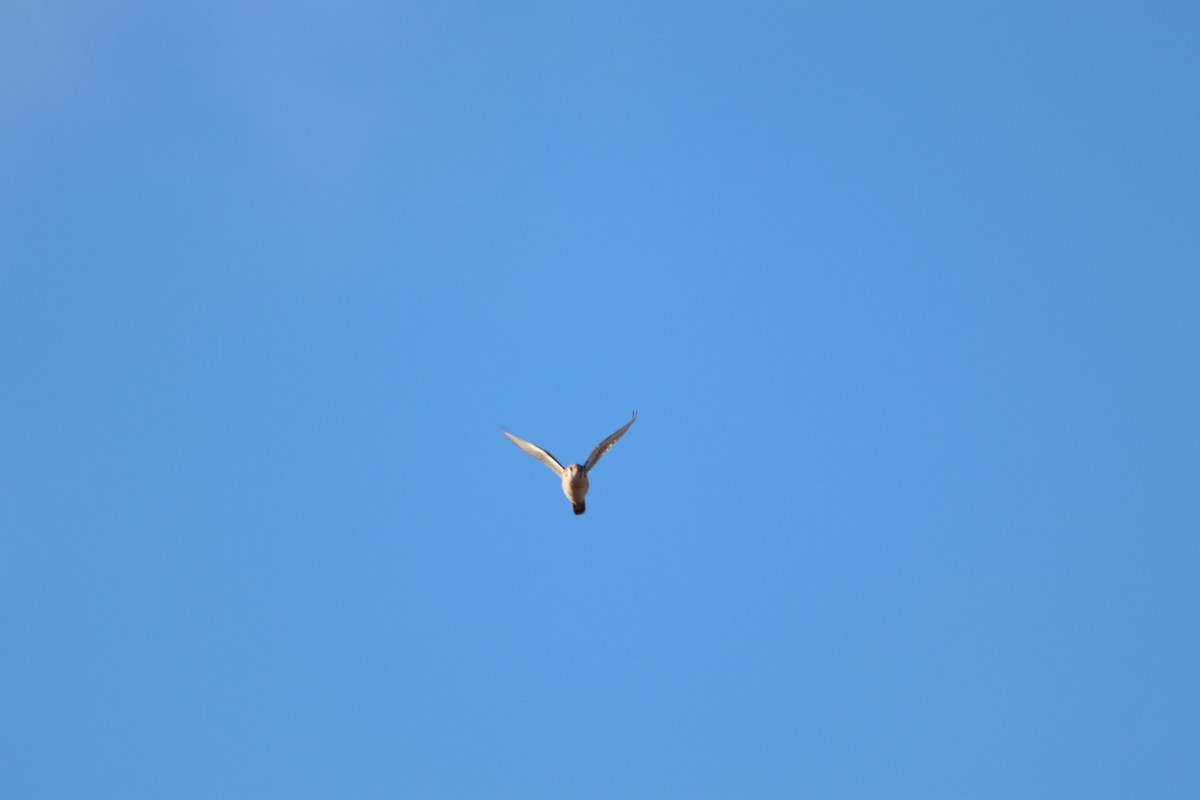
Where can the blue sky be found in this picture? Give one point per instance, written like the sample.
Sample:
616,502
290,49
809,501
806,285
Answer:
906,299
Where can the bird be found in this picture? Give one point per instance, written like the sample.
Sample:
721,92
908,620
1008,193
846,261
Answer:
575,477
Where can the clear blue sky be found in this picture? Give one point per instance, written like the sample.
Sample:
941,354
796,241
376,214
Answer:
907,297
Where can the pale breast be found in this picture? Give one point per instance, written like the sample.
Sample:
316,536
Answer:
574,482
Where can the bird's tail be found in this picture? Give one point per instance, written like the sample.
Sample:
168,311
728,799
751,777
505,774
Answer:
579,507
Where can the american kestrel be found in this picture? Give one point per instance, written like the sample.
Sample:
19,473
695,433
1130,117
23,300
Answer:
574,477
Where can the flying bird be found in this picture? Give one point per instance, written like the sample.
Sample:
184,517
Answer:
574,477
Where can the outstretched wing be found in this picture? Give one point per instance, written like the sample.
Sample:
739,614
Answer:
538,453
606,445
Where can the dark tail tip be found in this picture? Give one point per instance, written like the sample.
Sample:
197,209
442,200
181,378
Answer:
579,508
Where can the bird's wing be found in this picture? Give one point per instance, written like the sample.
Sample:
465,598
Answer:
538,453
606,445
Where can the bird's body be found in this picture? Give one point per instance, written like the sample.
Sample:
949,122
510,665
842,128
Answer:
575,485
575,477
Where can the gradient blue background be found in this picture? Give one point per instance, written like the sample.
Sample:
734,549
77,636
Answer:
907,298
